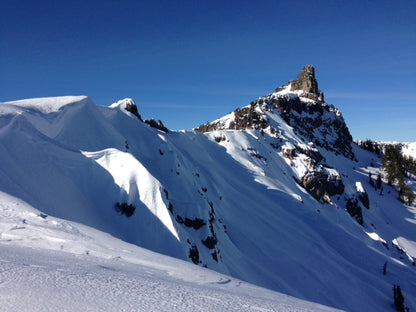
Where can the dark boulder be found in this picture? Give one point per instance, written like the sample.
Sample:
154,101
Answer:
126,209
319,184
210,242
363,197
194,254
354,210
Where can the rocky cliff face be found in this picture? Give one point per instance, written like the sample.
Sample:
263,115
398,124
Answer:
306,81
300,105
317,122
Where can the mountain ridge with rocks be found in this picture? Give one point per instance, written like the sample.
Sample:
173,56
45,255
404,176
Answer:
275,193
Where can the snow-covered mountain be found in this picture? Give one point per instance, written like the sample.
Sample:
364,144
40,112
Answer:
275,193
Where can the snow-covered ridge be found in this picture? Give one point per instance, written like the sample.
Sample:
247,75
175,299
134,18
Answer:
49,116
44,105
123,103
408,148
266,204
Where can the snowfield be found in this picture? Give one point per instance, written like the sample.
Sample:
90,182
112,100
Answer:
49,264
229,201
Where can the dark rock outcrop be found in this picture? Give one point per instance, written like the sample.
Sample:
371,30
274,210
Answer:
195,223
364,199
354,210
194,254
126,209
247,117
132,108
306,81
319,184
319,123
208,127
156,124
210,242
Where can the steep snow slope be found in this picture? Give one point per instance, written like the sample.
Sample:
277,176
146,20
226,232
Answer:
50,264
266,205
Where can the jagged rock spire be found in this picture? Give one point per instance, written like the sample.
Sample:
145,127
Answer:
306,81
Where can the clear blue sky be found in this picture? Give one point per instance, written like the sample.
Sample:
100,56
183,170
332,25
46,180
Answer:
188,62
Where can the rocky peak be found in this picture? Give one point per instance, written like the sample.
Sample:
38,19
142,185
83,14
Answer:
156,124
302,106
132,108
306,81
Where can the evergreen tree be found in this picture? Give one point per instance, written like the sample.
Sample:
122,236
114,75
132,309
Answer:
392,162
397,167
409,166
379,182
405,193
376,149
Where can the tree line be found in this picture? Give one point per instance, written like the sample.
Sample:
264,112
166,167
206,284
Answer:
398,167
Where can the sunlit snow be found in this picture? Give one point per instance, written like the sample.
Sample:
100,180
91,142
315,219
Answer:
66,163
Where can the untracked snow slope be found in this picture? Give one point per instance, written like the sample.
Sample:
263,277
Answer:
229,200
49,264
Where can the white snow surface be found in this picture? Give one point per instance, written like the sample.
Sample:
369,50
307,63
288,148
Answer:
50,264
66,162
132,177
409,149
45,105
359,186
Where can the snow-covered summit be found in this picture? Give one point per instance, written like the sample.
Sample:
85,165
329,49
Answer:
123,103
127,106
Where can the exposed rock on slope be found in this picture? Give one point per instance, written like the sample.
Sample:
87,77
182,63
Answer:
130,106
300,104
320,184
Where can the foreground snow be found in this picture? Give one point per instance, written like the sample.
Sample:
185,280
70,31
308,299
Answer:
49,264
